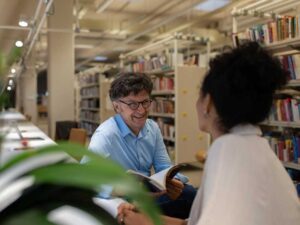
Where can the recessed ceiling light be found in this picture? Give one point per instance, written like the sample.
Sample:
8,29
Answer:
19,44
23,23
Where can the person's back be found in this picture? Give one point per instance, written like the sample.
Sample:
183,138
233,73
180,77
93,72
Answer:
258,189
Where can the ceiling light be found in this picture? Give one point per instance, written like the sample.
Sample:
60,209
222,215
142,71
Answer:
23,21
104,6
100,58
11,82
9,88
19,44
83,46
13,70
211,5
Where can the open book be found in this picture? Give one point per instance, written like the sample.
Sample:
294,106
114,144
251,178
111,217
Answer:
110,205
157,182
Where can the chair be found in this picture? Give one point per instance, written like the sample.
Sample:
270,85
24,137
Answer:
78,135
63,128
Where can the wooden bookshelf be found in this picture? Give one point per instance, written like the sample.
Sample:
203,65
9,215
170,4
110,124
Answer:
281,37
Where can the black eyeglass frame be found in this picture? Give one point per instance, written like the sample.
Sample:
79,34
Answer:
136,105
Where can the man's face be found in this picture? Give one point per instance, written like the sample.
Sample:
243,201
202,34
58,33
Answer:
134,118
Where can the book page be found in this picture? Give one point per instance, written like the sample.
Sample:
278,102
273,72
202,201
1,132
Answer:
160,177
110,205
148,180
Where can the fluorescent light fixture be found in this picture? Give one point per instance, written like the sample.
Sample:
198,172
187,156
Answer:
115,31
13,70
104,6
82,13
19,44
83,46
100,58
211,5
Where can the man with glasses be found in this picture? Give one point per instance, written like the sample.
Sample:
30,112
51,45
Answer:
136,143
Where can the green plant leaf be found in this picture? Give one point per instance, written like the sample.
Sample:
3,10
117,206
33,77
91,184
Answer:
91,175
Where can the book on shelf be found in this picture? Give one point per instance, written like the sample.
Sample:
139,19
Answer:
286,27
158,181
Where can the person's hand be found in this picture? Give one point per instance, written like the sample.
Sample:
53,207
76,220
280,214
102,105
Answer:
125,206
131,217
174,188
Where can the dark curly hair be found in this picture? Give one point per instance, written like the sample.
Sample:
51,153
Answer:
127,83
242,83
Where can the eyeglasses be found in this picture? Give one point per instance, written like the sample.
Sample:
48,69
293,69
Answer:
135,105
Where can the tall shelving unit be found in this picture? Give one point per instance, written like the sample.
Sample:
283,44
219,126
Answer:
93,105
176,89
89,106
280,34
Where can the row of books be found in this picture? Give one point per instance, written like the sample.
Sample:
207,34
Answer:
160,62
287,110
287,148
91,91
162,105
89,127
89,103
162,83
89,115
291,63
276,30
167,127
88,78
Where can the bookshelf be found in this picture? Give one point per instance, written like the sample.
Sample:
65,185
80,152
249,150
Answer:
89,104
280,35
176,88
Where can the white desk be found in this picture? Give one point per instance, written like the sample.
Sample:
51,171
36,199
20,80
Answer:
11,115
12,144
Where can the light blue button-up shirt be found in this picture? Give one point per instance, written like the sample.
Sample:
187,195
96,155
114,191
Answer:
114,139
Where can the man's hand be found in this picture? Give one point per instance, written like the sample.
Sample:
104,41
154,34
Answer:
174,188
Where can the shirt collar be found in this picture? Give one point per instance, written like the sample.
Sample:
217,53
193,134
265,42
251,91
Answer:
125,130
246,129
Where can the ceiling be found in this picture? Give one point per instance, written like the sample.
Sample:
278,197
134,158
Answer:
111,27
